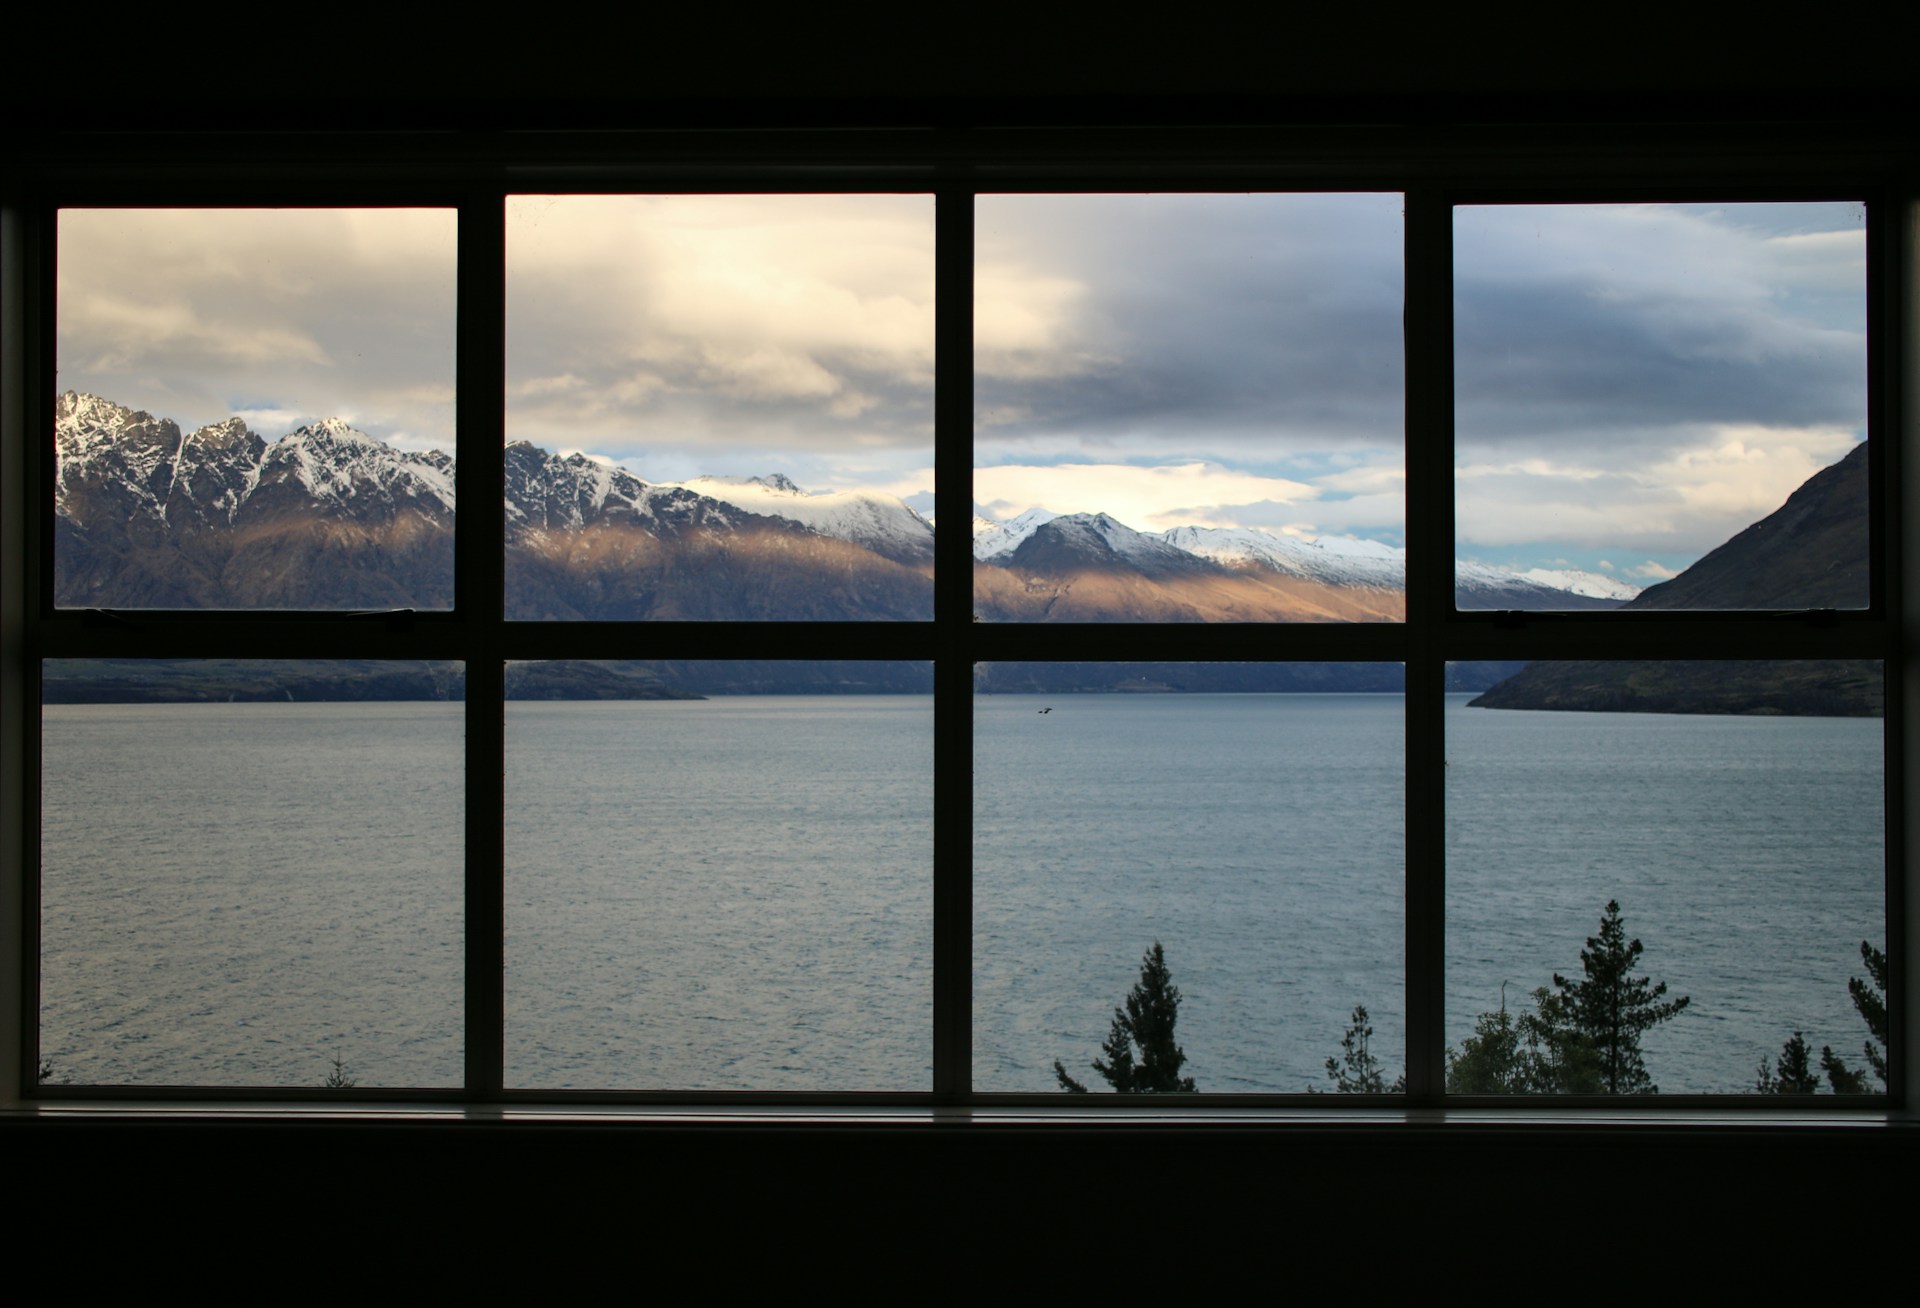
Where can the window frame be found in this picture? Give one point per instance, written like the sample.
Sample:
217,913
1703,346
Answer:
1433,177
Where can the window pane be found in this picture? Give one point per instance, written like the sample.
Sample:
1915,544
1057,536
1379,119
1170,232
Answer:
1251,831
1733,812
251,873
720,407
1661,406
1188,408
719,875
256,409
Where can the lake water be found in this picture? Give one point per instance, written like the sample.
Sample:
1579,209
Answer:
736,893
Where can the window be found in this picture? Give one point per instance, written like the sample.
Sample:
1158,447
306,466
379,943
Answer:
941,914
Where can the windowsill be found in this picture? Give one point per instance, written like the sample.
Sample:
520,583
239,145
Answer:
723,1117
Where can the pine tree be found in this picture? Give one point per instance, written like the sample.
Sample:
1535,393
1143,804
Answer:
1357,1071
1870,1001
1608,1010
1490,1061
1560,1059
1145,1024
339,1078
1795,1075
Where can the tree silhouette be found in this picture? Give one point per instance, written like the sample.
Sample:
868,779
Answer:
1146,1025
339,1078
1609,1009
1795,1075
1870,1001
1357,1071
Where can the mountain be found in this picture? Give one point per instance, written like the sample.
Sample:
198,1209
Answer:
1843,688
1081,567
326,517
585,541
330,518
207,681
1810,553
877,522
1477,586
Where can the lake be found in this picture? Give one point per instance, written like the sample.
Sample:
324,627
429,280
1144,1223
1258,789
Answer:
736,893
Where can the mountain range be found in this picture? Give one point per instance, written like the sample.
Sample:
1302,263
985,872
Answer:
1811,553
1088,567
327,517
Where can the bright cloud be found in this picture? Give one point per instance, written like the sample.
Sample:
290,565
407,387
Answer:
283,316
684,323
1153,498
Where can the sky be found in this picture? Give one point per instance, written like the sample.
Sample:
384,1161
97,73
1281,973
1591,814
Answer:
1173,360
282,317
1634,383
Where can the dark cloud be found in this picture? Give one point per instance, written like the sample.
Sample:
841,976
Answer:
1634,321
1215,323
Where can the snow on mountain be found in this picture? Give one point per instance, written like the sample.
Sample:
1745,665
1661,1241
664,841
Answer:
1332,560
216,471
882,523
991,538
1591,584
1094,540
333,461
1482,586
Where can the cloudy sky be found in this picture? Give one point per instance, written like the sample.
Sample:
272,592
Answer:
1223,360
281,316
732,335
1635,383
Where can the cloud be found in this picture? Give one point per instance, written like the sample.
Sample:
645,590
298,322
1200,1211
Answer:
1170,326
1684,500
1145,498
1654,571
688,323
197,314
1634,320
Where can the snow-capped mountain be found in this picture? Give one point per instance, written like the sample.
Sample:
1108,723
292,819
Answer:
1482,586
1591,584
327,517
992,539
1089,567
881,523
1332,560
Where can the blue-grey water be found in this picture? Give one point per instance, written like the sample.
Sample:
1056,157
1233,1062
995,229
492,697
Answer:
737,893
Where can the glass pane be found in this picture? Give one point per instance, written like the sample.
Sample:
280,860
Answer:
1661,406
720,407
1188,408
256,409
720,875
1730,815
1245,820
251,873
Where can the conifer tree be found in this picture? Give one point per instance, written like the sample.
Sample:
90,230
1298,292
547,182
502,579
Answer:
1608,1010
1357,1071
1870,1001
1795,1075
1145,1024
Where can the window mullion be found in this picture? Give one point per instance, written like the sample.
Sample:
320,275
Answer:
479,605
1429,503
953,665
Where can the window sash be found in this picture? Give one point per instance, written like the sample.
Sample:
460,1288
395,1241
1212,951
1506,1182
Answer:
477,633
